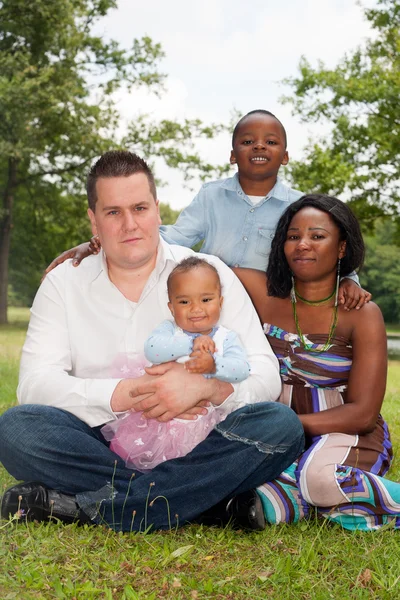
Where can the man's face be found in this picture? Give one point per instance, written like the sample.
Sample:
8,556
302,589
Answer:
126,219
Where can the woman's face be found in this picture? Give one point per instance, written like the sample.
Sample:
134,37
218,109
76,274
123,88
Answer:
313,245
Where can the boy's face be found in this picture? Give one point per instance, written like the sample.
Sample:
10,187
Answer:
259,148
195,300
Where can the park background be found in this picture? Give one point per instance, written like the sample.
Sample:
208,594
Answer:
169,80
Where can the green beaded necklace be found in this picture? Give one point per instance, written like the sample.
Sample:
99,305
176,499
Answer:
330,334
314,302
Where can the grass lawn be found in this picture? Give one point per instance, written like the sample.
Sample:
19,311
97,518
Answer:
393,328
310,560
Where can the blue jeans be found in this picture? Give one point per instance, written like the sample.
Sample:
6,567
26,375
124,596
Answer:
45,444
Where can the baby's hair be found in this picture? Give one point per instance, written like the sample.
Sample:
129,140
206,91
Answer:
260,111
187,264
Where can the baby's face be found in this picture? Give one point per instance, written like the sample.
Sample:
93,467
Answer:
195,300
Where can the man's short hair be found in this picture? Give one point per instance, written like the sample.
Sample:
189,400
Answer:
117,163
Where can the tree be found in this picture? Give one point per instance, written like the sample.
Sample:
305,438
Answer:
359,99
381,273
57,82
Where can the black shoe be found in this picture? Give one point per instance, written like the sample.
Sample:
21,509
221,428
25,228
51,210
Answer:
32,501
247,511
243,511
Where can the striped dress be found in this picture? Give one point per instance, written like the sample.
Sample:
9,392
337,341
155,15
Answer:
339,475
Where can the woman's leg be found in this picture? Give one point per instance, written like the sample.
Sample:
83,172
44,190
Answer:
282,500
347,495
372,501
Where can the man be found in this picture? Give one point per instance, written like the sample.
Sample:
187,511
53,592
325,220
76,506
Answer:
88,322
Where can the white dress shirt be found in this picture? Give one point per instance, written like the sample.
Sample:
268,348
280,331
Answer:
82,326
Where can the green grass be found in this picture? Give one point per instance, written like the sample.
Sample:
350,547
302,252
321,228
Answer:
307,561
392,328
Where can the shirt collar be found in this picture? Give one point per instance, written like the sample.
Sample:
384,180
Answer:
164,255
280,191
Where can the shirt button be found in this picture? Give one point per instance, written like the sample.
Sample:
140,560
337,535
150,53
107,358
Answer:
240,193
236,265
245,238
252,210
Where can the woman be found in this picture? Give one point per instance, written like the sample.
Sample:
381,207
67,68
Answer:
333,366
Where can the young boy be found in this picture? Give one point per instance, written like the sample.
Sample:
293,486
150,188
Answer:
235,218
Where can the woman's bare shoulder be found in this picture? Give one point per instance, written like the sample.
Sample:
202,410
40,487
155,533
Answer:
254,281
251,277
367,321
366,313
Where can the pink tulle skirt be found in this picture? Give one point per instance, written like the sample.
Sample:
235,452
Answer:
145,443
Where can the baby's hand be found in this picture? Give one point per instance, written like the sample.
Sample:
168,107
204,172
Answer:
204,343
352,295
200,362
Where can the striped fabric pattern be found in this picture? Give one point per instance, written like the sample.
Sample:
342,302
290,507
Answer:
339,476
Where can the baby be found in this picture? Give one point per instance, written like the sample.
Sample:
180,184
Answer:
195,338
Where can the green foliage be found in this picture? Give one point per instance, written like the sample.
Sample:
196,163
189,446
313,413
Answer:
168,215
57,81
359,99
174,142
381,273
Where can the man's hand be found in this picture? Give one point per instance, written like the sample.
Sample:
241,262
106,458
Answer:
352,295
122,400
200,362
203,343
175,392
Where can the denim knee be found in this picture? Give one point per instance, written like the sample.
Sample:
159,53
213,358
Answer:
269,424
13,423
20,424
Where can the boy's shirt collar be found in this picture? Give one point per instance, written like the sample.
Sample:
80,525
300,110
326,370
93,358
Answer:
280,191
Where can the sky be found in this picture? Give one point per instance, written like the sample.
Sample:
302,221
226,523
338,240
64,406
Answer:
223,55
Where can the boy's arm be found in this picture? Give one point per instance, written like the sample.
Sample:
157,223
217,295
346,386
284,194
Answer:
167,343
190,227
351,294
353,276
232,366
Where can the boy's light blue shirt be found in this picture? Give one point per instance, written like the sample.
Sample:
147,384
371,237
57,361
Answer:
230,225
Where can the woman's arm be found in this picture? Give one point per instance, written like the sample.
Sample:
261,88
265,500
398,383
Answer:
255,283
367,380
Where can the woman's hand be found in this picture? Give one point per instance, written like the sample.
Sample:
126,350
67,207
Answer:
352,295
78,253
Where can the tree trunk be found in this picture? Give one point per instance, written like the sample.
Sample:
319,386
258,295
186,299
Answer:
5,236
